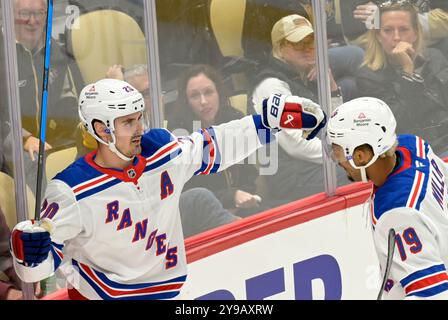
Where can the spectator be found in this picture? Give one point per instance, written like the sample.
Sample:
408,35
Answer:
203,102
411,79
433,16
136,75
260,17
64,80
291,71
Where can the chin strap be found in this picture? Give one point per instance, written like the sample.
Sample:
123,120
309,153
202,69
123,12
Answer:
364,175
112,146
114,149
363,168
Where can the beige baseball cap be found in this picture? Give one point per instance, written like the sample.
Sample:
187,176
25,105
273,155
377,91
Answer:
292,28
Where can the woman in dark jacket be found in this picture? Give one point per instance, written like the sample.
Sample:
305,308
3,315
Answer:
412,80
203,101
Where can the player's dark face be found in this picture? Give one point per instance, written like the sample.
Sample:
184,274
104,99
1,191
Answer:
339,157
128,132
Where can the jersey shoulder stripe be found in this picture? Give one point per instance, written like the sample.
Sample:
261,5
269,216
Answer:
111,290
78,173
165,154
84,180
406,186
154,140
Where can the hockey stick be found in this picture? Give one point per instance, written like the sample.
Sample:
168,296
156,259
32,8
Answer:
43,109
390,258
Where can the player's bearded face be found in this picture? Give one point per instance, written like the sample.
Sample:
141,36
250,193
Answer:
128,132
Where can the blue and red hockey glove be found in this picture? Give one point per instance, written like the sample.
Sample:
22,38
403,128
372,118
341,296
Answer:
293,112
30,242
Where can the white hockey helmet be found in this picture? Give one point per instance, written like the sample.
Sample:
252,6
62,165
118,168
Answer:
362,121
106,100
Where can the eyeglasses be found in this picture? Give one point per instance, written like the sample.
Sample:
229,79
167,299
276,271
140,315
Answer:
303,45
26,14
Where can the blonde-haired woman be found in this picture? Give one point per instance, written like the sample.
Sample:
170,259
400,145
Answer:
410,78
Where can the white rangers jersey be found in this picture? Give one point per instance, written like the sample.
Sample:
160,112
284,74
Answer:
414,202
119,231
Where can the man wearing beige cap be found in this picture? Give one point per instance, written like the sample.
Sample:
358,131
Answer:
292,71
293,46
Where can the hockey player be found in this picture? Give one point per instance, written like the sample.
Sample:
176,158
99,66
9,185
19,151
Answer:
409,195
113,215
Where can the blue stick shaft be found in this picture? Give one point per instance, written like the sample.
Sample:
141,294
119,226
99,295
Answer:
43,109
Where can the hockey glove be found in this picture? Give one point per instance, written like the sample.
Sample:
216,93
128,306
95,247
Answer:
293,112
30,242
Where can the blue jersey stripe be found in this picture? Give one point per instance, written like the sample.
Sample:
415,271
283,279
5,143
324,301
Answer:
264,134
97,189
217,163
426,171
77,173
157,296
206,152
424,188
152,296
155,140
163,160
422,273
389,196
117,285
57,260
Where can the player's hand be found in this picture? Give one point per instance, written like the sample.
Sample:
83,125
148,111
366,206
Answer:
31,145
30,242
293,112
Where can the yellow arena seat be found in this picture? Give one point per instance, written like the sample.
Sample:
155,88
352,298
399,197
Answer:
58,161
226,18
104,38
8,200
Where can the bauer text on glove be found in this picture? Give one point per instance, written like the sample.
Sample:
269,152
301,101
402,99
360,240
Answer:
292,112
